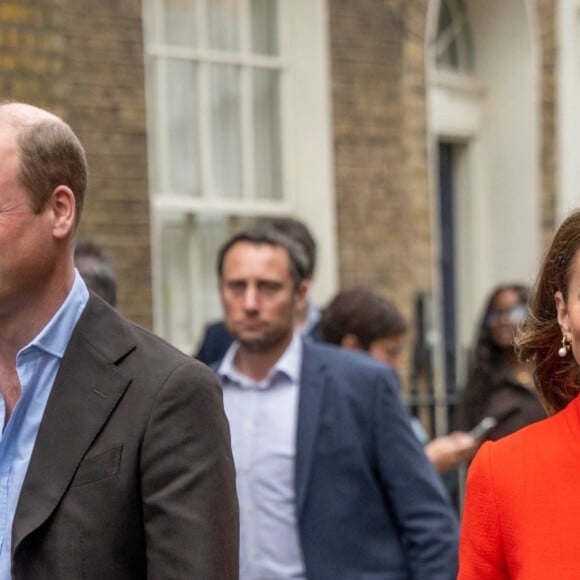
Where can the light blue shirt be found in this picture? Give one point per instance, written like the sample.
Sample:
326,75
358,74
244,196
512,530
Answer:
36,365
263,420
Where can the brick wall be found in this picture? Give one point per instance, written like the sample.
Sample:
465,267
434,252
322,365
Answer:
84,61
381,168
546,24
384,208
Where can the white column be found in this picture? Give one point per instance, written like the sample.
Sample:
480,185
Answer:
568,196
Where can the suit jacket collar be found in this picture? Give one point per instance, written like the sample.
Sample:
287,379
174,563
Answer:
86,389
312,379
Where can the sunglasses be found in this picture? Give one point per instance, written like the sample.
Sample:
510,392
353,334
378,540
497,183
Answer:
512,315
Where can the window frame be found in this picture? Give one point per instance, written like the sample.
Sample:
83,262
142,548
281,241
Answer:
306,155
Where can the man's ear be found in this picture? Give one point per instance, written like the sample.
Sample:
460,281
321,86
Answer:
562,310
302,295
62,207
351,342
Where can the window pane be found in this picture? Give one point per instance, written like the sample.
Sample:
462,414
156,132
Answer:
179,22
223,24
264,26
454,43
267,134
212,232
445,18
176,290
450,58
226,154
467,52
181,107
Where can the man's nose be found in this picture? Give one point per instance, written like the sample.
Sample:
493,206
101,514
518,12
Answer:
250,298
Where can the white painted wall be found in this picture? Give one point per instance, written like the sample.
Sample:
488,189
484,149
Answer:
568,106
508,67
494,120
311,173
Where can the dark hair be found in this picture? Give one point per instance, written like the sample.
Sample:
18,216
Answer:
267,234
540,336
298,231
487,359
361,312
96,270
51,155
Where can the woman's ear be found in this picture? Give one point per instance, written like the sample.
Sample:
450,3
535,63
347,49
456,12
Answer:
351,342
562,310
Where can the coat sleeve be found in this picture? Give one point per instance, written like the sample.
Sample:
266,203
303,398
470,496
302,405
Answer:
414,490
190,505
481,552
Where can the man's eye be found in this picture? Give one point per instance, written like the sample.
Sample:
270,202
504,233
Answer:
236,287
269,287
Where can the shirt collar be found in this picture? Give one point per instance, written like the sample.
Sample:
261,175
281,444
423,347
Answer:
288,365
54,337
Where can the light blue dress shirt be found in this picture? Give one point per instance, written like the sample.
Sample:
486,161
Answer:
263,419
36,365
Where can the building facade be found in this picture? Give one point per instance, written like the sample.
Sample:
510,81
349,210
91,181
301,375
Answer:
429,144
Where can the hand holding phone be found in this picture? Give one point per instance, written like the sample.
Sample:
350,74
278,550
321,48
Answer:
483,427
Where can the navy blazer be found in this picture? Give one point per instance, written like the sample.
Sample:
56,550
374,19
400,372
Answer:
216,341
370,505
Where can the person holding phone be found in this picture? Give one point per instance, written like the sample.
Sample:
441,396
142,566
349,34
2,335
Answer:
360,319
498,384
521,516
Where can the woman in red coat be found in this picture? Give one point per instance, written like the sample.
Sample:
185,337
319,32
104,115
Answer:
521,518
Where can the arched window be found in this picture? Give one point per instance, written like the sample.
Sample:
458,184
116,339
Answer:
454,46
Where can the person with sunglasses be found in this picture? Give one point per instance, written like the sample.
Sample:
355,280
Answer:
498,383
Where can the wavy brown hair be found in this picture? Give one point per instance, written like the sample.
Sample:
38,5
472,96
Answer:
539,337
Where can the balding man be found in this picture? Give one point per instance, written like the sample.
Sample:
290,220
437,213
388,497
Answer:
115,457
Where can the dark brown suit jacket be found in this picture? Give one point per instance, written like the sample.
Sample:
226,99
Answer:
131,475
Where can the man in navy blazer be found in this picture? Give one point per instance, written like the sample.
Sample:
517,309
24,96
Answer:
331,480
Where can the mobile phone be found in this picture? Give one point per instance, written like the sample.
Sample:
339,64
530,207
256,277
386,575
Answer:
483,427
491,421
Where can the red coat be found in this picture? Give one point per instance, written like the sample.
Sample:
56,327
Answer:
522,510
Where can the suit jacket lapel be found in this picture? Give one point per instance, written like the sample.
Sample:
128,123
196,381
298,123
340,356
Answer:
309,406
85,391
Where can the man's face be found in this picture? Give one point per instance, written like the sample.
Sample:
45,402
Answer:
504,316
258,296
24,236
